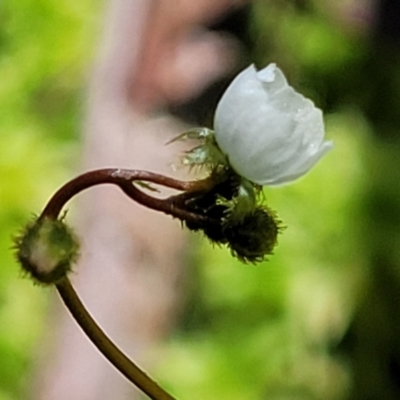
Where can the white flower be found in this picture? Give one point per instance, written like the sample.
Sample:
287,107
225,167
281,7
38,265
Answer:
270,133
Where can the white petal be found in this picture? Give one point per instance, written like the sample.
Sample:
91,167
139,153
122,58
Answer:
272,79
300,170
269,132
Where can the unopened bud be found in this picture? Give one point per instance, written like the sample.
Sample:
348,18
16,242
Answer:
254,237
46,250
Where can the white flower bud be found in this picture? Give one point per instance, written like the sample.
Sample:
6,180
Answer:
270,133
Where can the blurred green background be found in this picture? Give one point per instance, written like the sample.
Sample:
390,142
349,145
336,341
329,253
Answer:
320,319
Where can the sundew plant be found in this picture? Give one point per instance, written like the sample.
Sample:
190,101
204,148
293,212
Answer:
265,134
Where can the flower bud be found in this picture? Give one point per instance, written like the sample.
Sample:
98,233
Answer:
270,133
46,250
253,237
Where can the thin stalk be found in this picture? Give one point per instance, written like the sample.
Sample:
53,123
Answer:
106,346
124,179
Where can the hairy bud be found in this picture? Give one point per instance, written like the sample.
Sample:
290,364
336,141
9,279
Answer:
46,250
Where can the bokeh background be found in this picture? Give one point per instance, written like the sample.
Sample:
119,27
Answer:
320,319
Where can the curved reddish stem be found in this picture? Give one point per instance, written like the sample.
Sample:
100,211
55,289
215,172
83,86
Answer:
124,179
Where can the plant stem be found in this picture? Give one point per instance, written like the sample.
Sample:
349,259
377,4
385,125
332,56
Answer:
106,346
124,179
